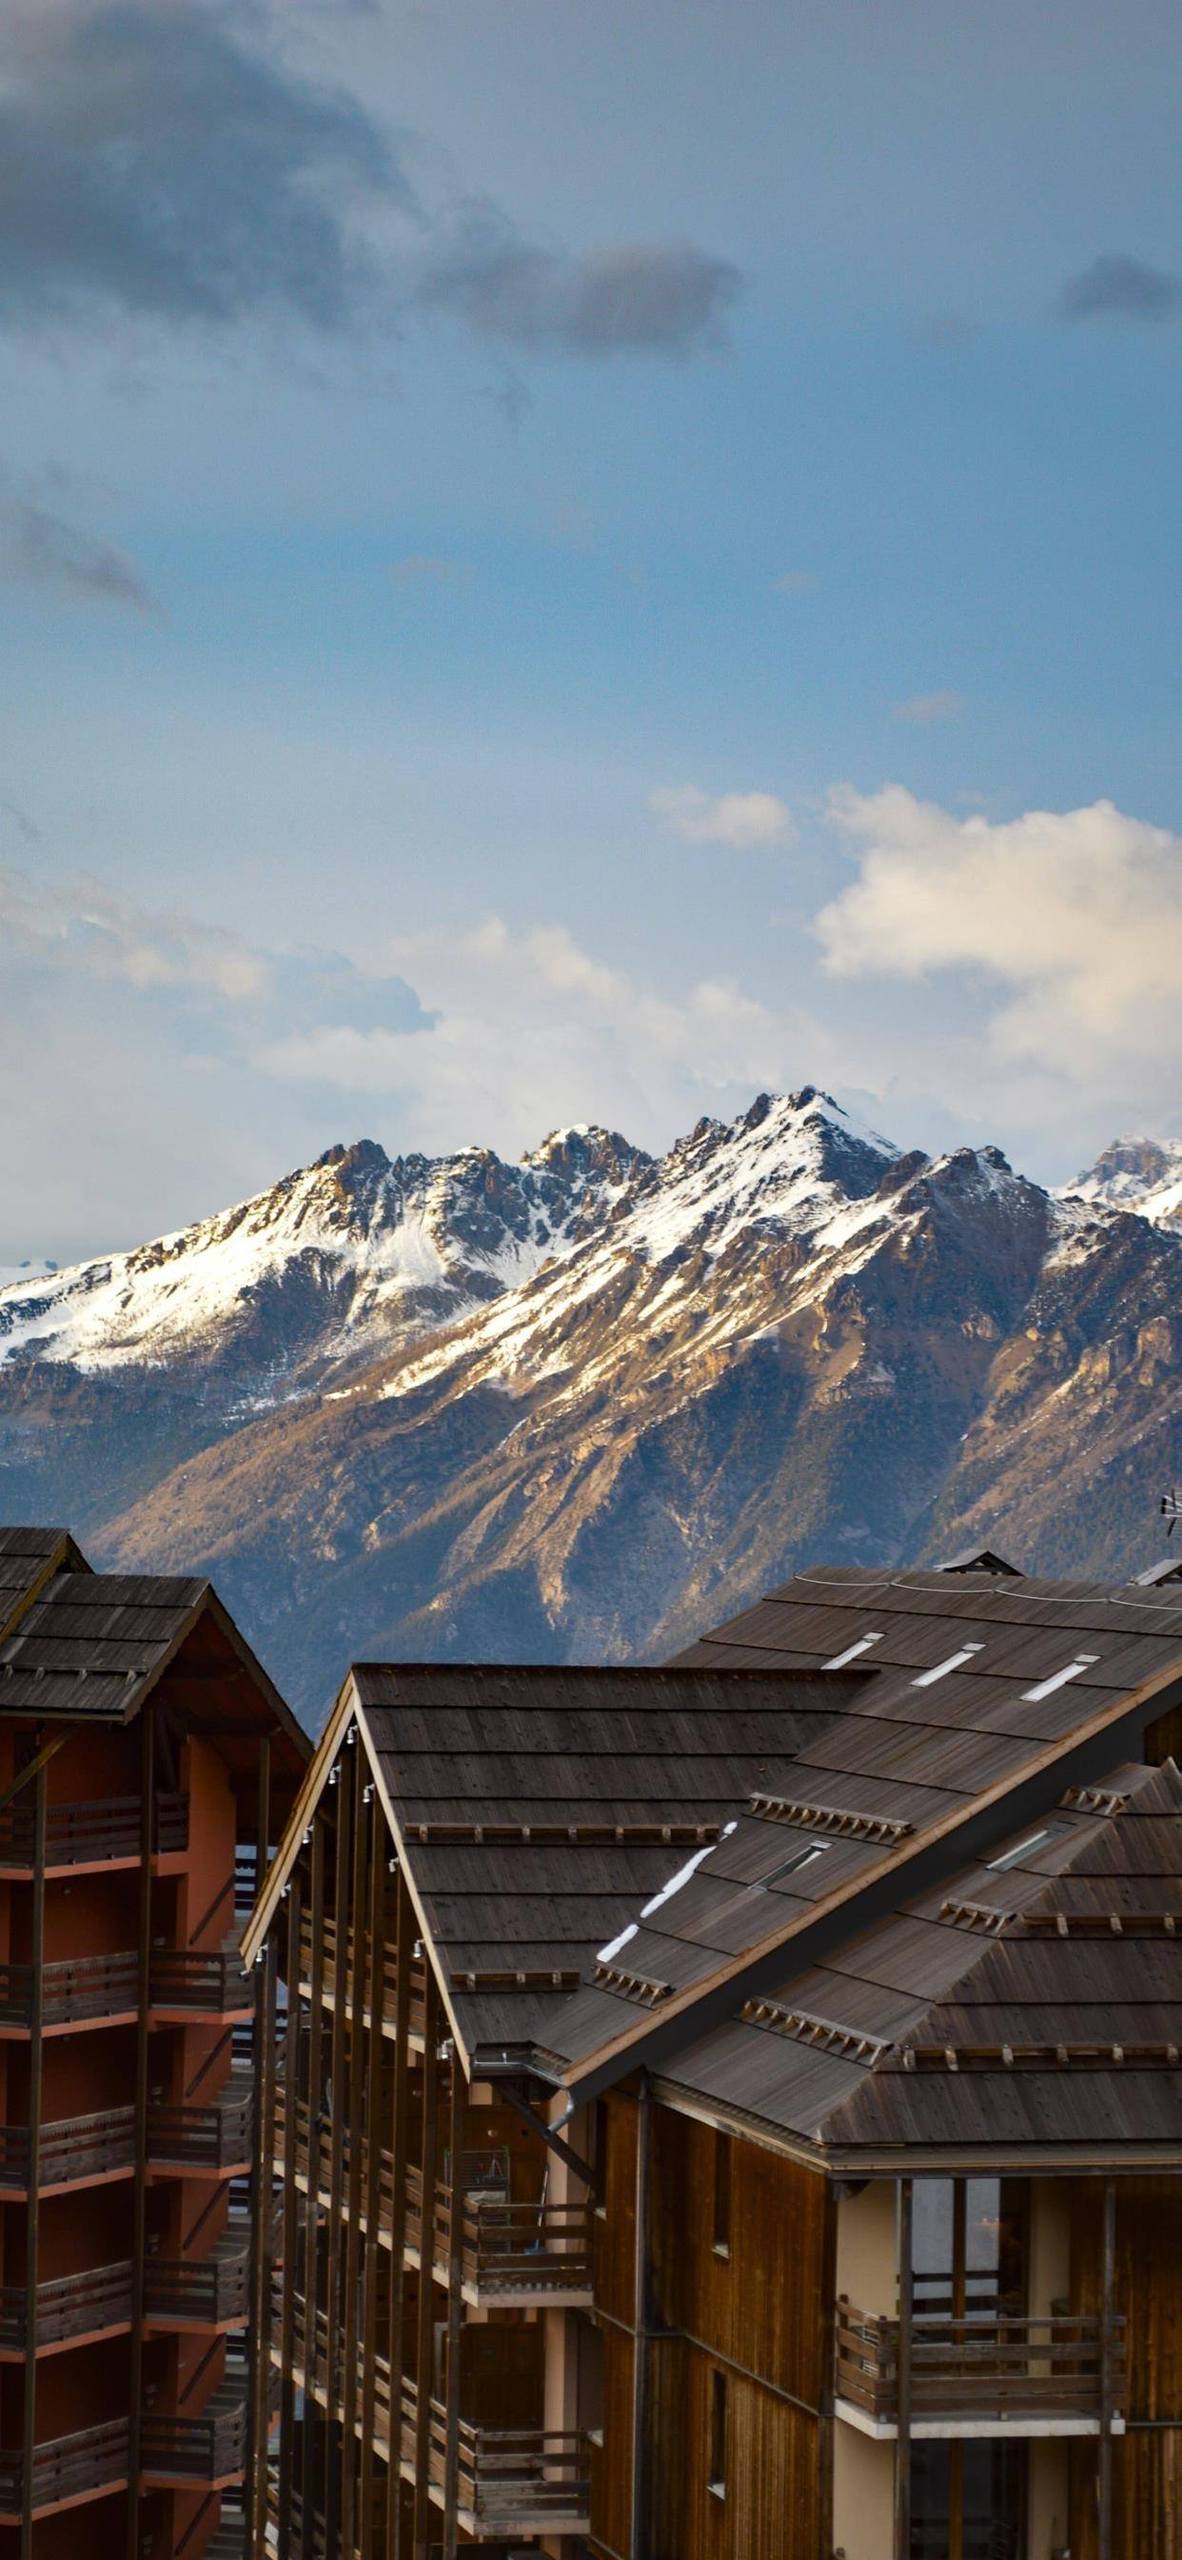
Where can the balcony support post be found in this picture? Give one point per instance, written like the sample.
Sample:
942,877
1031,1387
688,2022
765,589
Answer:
361,1972
903,2374
262,2244
333,2229
373,2185
404,1946
426,2321
33,2215
313,2444
455,2305
142,2081
638,2539
263,1835
288,2539
1107,2300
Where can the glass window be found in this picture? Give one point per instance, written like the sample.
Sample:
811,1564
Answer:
717,2480
722,2193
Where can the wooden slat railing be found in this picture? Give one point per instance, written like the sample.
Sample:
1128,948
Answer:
209,2447
73,2466
87,1834
204,2291
216,2136
987,2365
73,1988
205,1982
513,2250
388,1969
68,2306
515,2477
75,2149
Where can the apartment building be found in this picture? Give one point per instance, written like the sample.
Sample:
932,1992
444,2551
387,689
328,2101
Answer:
734,2111
145,1759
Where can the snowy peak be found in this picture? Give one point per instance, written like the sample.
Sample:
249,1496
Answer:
1140,1174
792,1161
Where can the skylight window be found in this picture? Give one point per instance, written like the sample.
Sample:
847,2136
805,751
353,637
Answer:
805,1857
1059,1679
951,1662
852,1651
1028,1847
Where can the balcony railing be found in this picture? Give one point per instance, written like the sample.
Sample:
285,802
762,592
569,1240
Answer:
512,2479
215,2137
100,2298
72,2152
515,2252
202,2293
205,2448
200,1982
987,2365
388,1976
516,2479
91,1834
67,2469
74,1988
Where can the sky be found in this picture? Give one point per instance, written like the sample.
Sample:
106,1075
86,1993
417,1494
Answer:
563,560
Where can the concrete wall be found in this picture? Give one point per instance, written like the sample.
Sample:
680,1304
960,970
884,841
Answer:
863,2496
867,2248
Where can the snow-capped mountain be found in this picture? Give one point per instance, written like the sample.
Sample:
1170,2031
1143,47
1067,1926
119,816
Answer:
1142,1174
585,1404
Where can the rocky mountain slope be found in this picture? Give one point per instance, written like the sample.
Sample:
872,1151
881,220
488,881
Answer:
586,1404
1144,1174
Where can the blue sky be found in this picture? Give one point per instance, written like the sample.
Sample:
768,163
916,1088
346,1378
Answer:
568,561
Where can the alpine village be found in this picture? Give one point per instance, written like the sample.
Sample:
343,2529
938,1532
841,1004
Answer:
724,2111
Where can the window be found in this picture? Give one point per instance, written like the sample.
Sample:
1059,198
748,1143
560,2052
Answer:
1059,1679
852,1651
1026,1848
952,1662
722,2194
716,2482
805,1857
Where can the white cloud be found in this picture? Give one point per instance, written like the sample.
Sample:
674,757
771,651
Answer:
426,568
80,927
923,708
530,1030
795,582
747,821
1075,917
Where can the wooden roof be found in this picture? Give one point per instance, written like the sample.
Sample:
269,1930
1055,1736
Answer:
28,1560
91,1647
1031,2005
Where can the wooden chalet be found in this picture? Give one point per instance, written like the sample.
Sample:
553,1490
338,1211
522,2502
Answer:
145,1761
734,2111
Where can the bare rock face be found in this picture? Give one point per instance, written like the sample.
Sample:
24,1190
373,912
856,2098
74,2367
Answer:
1143,1174
588,1403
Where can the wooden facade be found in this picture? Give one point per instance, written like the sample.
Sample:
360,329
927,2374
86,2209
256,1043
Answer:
142,1756
596,2233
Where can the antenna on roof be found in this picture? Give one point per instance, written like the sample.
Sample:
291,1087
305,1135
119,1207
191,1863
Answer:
1171,1510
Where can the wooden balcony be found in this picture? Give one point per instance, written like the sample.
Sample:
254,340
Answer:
510,2253
212,2140
511,2480
192,1982
388,1971
531,2480
67,2470
205,2449
78,2151
76,1991
104,1833
202,2293
93,2304
1037,2375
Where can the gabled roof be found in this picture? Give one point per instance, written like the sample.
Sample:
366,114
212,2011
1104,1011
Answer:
1029,2005
91,1647
28,1560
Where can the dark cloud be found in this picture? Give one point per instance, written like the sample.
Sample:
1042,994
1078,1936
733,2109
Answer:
150,162
1122,288
634,298
44,551
21,820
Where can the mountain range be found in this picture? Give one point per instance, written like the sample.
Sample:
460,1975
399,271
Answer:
586,1404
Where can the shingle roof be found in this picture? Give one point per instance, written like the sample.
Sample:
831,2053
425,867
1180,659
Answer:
1032,2004
28,1558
